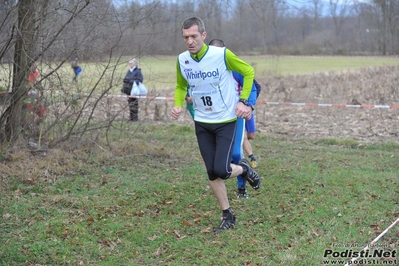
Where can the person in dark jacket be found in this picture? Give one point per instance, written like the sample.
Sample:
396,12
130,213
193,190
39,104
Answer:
133,75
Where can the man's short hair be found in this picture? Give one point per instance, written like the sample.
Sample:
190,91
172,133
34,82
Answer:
217,42
188,23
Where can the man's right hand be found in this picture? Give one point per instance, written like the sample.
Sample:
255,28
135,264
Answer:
176,111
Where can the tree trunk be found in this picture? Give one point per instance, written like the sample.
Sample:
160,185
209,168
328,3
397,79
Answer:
23,58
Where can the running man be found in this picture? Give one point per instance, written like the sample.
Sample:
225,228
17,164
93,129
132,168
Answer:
207,72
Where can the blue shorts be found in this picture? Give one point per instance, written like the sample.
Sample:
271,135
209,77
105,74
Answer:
250,125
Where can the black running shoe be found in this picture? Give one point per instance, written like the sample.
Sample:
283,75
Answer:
228,221
242,193
252,177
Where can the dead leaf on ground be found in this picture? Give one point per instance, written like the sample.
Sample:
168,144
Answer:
152,238
206,230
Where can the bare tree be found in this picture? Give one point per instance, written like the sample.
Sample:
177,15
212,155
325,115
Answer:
25,35
266,14
23,58
388,26
317,13
52,33
339,12
211,11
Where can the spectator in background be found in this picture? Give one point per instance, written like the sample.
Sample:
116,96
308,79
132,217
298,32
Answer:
36,110
133,75
76,69
33,74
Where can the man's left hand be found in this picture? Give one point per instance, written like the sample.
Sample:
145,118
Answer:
243,111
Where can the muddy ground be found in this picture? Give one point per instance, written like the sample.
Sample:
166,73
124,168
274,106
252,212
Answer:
369,86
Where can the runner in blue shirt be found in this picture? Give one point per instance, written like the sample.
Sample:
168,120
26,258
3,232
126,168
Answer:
242,126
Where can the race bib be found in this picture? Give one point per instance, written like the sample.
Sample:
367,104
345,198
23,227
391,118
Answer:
208,101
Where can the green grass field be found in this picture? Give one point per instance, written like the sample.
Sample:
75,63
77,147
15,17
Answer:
146,201
149,204
160,72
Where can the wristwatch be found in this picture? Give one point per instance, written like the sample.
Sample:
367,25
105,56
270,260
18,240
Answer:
246,103
243,101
